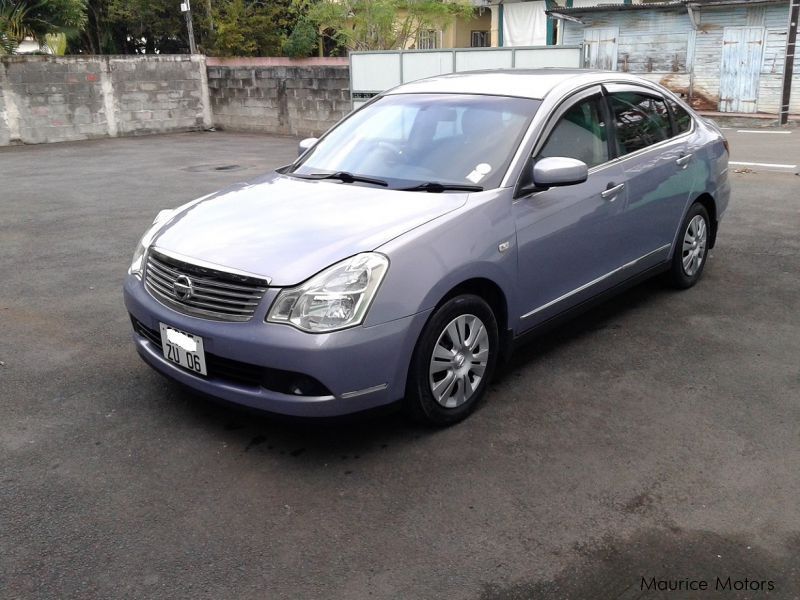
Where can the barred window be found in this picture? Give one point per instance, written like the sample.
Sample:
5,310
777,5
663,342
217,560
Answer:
480,39
429,39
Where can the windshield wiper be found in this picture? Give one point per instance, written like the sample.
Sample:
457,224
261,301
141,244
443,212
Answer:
342,176
437,188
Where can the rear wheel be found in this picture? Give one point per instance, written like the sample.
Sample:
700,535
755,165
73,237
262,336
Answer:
692,250
453,361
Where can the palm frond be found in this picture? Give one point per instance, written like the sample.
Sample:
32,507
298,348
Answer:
14,25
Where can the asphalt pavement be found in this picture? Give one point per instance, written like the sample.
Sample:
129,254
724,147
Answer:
654,437
766,149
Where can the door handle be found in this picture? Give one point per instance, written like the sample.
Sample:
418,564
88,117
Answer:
683,160
611,192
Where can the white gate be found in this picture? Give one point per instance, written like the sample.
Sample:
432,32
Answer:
600,48
375,71
742,51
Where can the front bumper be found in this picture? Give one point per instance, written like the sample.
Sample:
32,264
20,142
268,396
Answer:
362,367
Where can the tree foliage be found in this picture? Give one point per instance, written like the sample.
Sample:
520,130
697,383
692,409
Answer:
38,18
134,27
151,25
382,24
221,27
225,27
57,43
13,28
249,28
303,41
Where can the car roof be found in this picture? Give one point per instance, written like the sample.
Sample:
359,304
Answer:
524,83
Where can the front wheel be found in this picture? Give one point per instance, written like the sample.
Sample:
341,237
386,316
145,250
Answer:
690,255
453,362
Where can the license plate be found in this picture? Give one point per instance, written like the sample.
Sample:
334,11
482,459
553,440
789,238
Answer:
184,349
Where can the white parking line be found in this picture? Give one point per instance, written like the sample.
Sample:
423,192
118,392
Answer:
760,131
755,164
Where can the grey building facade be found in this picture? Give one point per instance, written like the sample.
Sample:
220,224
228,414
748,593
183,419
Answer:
723,55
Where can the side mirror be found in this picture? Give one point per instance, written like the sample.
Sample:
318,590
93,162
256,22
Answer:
556,171
306,145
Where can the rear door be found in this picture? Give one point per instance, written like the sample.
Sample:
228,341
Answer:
569,238
659,171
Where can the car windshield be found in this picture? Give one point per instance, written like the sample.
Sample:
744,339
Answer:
409,140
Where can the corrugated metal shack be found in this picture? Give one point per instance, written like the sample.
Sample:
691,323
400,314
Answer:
724,55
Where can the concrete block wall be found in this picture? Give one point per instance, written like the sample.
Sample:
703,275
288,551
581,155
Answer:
271,95
54,99
5,133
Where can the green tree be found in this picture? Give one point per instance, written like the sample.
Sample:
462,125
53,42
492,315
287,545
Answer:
149,26
382,24
57,43
38,18
97,37
303,41
136,27
222,27
13,26
250,28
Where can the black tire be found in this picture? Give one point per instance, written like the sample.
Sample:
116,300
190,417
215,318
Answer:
681,277
460,312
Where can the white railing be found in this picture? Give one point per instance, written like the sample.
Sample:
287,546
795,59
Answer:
372,72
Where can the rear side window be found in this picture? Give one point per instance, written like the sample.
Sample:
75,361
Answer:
683,121
580,133
640,121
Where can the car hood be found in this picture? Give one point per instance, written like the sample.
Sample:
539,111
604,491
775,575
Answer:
287,229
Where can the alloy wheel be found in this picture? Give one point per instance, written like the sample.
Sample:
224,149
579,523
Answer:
458,361
695,240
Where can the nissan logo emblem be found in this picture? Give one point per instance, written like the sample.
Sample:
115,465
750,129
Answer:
182,288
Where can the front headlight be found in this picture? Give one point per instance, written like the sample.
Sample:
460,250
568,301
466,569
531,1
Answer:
137,264
336,298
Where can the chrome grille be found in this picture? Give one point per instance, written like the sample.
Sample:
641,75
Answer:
214,294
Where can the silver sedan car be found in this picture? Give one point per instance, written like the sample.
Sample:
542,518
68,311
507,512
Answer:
405,252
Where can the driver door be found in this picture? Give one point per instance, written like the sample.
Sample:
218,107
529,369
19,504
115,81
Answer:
569,238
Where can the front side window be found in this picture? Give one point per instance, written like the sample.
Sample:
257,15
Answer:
407,139
640,121
580,133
